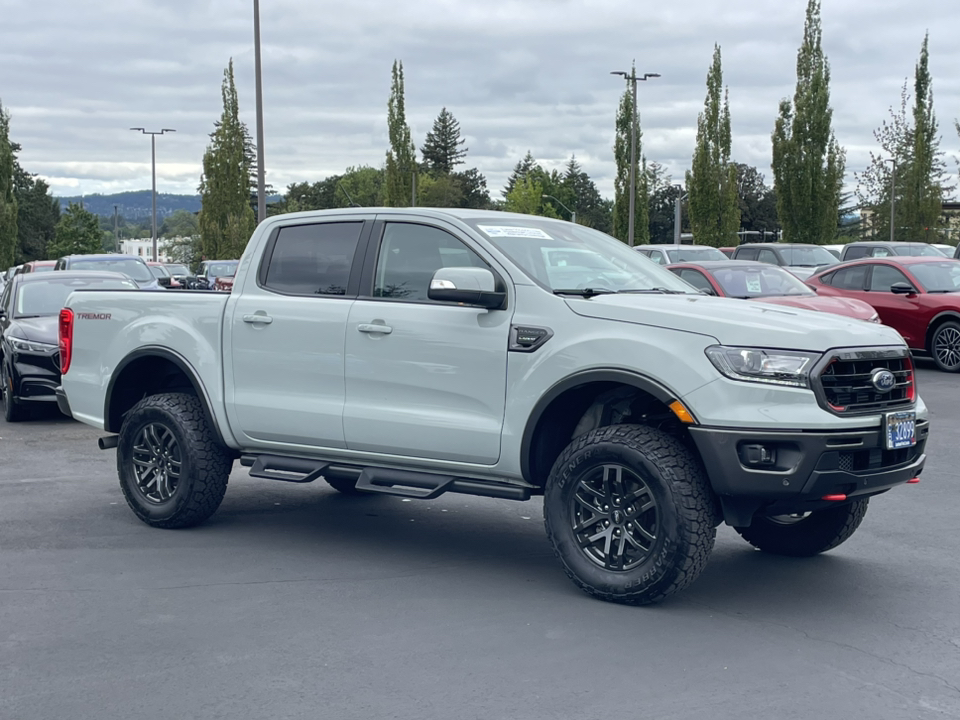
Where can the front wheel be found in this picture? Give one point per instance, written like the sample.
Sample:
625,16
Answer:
945,346
173,471
12,412
805,534
630,514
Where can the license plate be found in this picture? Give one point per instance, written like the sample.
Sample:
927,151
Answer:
900,429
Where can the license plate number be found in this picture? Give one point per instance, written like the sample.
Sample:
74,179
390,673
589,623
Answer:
901,430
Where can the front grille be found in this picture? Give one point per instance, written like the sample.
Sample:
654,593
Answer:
848,388
876,458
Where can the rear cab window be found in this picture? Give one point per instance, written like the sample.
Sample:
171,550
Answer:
314,260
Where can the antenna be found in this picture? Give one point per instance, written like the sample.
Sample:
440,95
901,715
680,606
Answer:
352,203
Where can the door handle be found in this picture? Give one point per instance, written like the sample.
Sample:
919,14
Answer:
258,319
375,328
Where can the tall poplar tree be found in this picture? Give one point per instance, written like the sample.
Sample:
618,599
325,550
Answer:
401,167
621,183
8,203
443,148
808,163
712,181
922,173
226,218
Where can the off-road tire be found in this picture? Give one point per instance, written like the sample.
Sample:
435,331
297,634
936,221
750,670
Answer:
945,346
204,468
347,487
11,411
684,527
813,534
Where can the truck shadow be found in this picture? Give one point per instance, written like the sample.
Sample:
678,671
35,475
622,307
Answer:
506,540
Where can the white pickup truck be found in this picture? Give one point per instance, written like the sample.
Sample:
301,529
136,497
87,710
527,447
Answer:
416,352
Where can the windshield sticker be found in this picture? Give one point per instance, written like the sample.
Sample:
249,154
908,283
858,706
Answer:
753,284
519,232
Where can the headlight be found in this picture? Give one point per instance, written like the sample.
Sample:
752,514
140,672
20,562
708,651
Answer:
775,367
30,346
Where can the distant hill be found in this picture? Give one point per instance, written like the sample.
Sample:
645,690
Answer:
135,205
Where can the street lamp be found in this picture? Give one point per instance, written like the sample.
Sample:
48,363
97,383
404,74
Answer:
261,184
893,191
632,79
677,216
573,214
153,162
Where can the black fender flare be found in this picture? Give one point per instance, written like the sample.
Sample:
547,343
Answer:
182,364
625,377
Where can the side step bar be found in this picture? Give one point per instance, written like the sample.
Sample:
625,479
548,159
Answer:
387,481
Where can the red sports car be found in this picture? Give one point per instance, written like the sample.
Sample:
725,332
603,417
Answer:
917,296
767,283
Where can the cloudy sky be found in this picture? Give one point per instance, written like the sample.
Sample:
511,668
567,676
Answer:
518,74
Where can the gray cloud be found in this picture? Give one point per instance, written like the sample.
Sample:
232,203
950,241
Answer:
518,74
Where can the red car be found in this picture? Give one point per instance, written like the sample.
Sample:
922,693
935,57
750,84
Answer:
223,283
917,296
751,280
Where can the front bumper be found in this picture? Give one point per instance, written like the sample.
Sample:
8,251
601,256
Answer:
808,466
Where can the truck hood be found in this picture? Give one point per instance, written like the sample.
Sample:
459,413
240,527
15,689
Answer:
738,322
848,307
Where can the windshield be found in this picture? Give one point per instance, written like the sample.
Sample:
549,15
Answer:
178,269
918,251
938,277
693,254
563,256
753,282
807,256
129,266
48,297
159,271
224,269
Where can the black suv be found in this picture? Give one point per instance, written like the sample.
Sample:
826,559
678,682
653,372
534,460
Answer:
885,248
802,259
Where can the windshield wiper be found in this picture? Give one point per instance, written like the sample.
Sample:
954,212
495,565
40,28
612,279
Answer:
585,292
657,290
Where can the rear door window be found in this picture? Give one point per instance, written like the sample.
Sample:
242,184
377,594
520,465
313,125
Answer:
745,254
850,278
313,259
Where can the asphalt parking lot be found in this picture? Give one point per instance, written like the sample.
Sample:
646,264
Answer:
297,602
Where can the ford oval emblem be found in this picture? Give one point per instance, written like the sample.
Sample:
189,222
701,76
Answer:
883,380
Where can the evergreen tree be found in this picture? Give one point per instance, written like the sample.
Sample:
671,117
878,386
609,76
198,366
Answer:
712,181
38,213
808,163
922,173
757,202
621,183
473,189
8,202
78,233
520,171
401,166
579,193
226,218
443,149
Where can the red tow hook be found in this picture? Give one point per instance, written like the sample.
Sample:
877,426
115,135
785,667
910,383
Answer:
834,498
913,481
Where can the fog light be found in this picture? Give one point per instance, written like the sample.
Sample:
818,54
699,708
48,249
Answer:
757,455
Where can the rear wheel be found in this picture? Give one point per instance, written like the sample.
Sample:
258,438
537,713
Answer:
173,471
630,514
347,487
805,534
945,346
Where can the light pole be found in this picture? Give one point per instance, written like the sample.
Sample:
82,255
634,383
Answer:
632,79
893,192
261,183
677,214
573,214
153,164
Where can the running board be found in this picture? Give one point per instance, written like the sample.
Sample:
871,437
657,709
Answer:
386,481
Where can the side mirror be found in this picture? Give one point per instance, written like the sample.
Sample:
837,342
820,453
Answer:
467,285
902,288
163,281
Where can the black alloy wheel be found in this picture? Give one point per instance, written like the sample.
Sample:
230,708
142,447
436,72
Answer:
945,346
630,513
156,462
615,517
